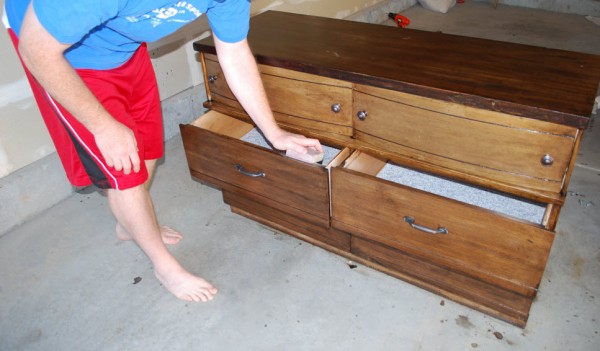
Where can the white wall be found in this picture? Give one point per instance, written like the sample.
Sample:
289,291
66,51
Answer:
23,138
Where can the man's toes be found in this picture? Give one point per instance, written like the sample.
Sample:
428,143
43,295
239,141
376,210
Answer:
199,297
186,298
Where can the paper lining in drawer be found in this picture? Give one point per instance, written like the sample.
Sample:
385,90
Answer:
475,196
255,137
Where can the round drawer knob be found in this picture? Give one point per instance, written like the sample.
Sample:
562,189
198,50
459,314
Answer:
547,160
212,78
336,107
362,115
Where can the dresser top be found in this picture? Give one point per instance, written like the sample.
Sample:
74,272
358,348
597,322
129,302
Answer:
547,84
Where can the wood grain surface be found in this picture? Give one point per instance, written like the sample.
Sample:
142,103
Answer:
534,82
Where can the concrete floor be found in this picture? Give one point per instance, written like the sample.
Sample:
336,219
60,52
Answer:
67,283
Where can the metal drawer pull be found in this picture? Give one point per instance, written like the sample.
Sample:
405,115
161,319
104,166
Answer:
547,160
411,222
212,78
336,107
362,115
241,169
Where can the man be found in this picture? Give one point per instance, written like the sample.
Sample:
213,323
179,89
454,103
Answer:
93,81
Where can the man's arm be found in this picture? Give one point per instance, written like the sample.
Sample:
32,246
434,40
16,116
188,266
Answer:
241,73
44,57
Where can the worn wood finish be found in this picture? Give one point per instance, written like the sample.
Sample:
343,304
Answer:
216,78
296,98
287,181
487,148
488,298
502,304
505,305
551,218
477,111
501,251
284,218
309,100
202,58
534,82
508,152
215,81
320,131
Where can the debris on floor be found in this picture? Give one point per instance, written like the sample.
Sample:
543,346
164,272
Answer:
584,203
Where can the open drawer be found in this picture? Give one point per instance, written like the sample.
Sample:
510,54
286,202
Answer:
232,155
483,243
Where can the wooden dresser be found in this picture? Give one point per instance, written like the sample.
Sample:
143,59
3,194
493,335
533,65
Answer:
448,158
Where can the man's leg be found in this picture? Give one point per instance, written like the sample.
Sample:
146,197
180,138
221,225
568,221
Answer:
169,235
133,209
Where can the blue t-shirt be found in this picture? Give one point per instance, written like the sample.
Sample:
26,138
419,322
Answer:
106,33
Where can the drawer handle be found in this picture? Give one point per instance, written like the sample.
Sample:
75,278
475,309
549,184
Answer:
362,115
411,222
212,78
336,108
547,160
243,171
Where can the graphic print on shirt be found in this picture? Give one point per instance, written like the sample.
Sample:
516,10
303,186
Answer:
181,12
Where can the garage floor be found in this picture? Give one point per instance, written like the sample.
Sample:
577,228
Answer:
67,283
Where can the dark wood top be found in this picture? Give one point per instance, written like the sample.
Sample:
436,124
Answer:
534,82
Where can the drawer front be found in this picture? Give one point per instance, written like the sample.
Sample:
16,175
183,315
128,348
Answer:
219,90
481,143
229,162
308,100
491,299
478,242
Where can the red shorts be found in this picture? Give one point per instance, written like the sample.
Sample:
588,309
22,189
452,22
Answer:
130,94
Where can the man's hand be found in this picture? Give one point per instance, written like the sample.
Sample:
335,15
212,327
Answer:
283,140
118,147
244,79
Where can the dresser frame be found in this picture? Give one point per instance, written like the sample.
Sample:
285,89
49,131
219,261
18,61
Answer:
503,117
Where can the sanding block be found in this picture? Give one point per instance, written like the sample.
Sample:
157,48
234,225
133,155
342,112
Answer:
311,155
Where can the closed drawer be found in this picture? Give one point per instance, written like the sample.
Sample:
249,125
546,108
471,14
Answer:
298,99
484,244
308,100
512,150
219,90
217,155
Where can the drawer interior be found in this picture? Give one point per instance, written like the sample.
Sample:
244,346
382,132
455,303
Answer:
254,136
503,203
225,125
222,124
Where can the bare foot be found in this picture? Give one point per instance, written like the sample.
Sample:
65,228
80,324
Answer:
187,286
169,235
